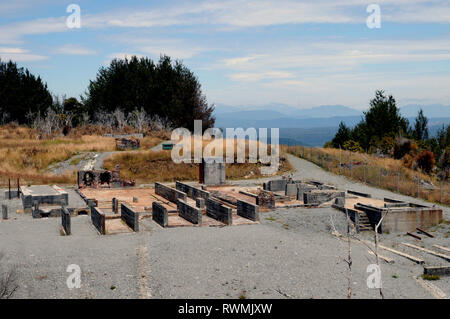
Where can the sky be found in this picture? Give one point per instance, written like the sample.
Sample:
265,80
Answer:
300,53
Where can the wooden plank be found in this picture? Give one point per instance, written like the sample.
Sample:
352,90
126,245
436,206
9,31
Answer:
386,259
431,252
442,247
412,258
424,232
414,236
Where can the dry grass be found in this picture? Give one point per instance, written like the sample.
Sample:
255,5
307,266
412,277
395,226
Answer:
149,166
394,176
25,155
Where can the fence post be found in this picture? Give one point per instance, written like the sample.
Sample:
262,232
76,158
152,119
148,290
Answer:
418,186
364,169
379,176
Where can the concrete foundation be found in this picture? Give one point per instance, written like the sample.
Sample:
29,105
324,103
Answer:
42,194
214,171
169,193
65,221
191,191
248,210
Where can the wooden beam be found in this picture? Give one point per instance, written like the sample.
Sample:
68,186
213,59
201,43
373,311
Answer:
424,232
431,252
412,258
442,247
386,259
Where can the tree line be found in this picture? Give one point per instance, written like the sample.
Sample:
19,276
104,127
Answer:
135,90
383,131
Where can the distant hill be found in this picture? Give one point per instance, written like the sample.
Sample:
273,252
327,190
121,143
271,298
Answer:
317,125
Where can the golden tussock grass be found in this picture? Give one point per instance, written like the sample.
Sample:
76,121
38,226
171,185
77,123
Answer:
24,154
150,166
394,176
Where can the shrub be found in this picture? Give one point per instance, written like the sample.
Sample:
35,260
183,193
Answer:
352,146
425,161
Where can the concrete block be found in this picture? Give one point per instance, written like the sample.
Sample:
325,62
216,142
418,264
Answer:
214,171
339,201
190,213
277,185
160,214
291,190
218,211
248,210
65,221
115,205
304,188
130,217
4,211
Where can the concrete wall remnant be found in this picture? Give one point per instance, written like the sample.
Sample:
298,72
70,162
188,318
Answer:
321,196
276,185
291,189
218,211
169,193
42,194
190,213
130,217
160,214
98,219
248,210
191,191
97,178
65,221
130,143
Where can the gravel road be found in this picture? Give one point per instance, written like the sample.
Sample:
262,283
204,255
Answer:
292,253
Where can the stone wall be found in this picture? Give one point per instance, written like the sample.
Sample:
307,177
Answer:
98,219
190,213
160,214
169,193
218,211
65,221
248,210
130,217
191,191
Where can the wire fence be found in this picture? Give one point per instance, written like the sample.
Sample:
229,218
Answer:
364,169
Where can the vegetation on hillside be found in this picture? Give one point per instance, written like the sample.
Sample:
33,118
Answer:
385,133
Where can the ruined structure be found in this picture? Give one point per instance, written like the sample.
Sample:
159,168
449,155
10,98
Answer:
127,143
100,178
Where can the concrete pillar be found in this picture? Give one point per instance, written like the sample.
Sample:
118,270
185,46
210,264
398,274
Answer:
200,203
4,211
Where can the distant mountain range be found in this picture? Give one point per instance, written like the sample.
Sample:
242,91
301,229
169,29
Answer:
317,125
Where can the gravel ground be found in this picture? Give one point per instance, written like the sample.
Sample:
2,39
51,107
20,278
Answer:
292,253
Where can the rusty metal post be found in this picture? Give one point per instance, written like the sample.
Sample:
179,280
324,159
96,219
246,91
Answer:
18,187
9,188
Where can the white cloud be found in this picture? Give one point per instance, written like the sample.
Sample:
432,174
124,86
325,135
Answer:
19,55
71,49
